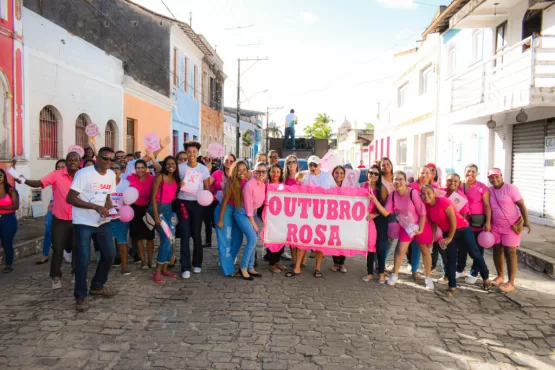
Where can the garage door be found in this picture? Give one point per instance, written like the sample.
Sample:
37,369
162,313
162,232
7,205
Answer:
549,198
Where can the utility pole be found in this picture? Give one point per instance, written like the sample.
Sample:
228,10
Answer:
268,126
238,127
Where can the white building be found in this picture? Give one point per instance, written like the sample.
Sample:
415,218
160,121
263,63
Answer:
229,135
352,144
497,96
407,125
68,84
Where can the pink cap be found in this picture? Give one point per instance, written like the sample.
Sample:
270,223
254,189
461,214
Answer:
495,171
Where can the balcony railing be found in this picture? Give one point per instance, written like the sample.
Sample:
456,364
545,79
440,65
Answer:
504,81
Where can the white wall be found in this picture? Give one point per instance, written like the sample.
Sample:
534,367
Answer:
75,77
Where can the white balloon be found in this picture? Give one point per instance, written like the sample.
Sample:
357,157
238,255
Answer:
130,195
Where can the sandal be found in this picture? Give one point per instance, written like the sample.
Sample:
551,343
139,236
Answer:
157,278
318,275
255,274
343,269
367,278
451,292
291,274
42,261
497,281
169,274
507,288
487,285
417,276
335,268
382,279
274,269
280,266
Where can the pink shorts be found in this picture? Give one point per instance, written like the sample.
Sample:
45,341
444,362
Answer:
506,236
425,238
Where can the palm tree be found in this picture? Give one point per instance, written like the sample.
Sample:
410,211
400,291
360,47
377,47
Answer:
275,132
323,119
247,139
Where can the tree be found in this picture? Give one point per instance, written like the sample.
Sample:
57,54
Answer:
368,126
275,132
321,128
247,139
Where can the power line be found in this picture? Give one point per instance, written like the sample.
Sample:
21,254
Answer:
167,7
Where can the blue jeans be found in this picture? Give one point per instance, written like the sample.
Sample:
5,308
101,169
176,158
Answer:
229,239
414,253
8,228
165,251
81,255
463,239
191,228
246,228
383,245
289,133
47,242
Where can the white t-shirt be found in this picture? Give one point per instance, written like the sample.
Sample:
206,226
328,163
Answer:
117,196
324,179
183,169
290,120
92,188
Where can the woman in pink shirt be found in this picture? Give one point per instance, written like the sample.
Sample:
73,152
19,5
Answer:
9,203
376,188
338,174
386,168
164,191
456,234
289,172
509,217
276,177
228,234
142,181
479,217
411,212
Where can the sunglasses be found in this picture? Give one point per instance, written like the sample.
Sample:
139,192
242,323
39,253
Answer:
398,179
313,165
115,169
292,162
261,172
107,159
227,161
374,173
274,157
181,159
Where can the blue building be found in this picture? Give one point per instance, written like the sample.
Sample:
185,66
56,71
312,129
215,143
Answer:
250,123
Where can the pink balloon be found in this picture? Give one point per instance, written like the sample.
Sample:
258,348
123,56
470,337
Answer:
486,239
393,229
205,198
439,235
126,214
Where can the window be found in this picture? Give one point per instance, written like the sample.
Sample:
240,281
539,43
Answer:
477,45
195,83
430,148
81,137
500,40
4,9
195,137
402,151
110,135
204,143
5,114
175,142
48,139
426,80
403,90
186,74
175,67
205,88
130,138
451,61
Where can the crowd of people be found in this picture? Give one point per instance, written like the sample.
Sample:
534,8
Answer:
88,192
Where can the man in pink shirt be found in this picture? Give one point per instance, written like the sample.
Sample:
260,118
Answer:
254,194
62,227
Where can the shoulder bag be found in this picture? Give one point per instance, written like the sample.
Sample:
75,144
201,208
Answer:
476,221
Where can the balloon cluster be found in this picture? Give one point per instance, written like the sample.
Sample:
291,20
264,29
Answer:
130,196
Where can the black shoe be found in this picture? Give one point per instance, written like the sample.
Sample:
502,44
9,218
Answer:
207,245
117,262
8,269
245,277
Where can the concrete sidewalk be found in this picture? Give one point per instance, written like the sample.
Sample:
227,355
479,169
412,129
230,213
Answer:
537,250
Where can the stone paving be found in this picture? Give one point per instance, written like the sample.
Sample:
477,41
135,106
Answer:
212,322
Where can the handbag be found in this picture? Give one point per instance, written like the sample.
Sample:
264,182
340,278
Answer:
476,221
518,226
147,218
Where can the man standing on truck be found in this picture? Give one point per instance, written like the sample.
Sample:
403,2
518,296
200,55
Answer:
290,122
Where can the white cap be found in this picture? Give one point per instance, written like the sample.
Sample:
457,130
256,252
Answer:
314,159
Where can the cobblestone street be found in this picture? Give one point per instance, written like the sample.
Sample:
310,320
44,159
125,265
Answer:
211,322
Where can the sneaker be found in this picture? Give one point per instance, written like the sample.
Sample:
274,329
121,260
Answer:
471,279
392,279
144,267
460,275
126,272
429,283
186,274
137,259
196,270
106,292
56,283
81,305
67,256
286,256
153,265
117,262
73,278
443,281
409,268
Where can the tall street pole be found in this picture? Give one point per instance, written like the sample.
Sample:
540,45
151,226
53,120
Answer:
238,127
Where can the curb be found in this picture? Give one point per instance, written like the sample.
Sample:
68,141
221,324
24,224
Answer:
24,249
536,261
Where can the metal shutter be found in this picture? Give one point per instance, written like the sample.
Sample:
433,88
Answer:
528,164
549,198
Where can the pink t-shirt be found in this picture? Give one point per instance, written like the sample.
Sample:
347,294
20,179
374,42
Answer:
437,215
475,193
219,182
404,206
144,187
504,211
243,182
416,186
254,193
464,210
169,192
61,182
5,202
290,181
389,186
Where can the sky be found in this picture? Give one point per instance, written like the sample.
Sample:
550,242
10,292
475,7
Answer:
324,56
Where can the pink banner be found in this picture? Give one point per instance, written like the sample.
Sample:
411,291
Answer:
332,221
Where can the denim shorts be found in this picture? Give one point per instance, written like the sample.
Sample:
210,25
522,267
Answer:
120,231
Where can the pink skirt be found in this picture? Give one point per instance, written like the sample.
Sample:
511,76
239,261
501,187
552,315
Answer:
425,238
372,236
